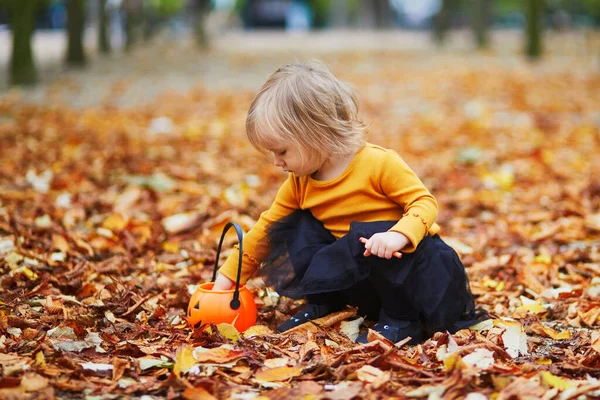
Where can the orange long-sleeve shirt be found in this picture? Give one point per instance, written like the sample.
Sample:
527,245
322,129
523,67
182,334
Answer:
377,185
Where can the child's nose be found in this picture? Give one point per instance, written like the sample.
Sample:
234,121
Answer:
278,162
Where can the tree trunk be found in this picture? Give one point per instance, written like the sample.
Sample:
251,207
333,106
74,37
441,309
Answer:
103,32
534,28
383,14
201,10
22,19
375,14
133,17
75,27
441,23
480,22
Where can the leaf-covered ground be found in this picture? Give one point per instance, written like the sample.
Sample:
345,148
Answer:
109,218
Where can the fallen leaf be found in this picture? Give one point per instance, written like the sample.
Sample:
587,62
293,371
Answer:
229,331
257,330
544,330
555,381
197,393
32,382
351,329
514,338
277,374
480,358
218,355
97,367
184,360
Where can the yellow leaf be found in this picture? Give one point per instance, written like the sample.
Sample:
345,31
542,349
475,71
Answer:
503,179
555,381
171,247
229,331
257,330
556,335
543,258
543,361
115,223
40,360
184,361
493,284
534,308
490,283
453,361
278,374
28,273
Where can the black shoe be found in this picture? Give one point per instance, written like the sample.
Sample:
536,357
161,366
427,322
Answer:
395,330
311,311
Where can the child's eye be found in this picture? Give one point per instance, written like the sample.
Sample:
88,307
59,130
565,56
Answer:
282,153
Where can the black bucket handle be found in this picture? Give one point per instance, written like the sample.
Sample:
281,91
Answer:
235,303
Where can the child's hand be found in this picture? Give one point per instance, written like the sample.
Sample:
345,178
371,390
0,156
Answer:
385,244
223,283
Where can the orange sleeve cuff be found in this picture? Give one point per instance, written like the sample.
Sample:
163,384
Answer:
414,227
230,267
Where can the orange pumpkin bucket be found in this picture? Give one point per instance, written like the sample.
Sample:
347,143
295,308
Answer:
234,306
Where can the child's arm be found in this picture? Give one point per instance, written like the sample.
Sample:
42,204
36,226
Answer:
404,187
223,283
255,246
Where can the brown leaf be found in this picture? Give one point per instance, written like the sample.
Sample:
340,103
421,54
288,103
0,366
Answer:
60,243
219,355
119,367
32,382
328,320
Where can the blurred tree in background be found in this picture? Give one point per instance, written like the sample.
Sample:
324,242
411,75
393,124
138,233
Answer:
481,18
534,28
533,16
21,18
443,19
104,45
167,7
200,11
593,8
75,27
137,19
133,10
321,9
378,14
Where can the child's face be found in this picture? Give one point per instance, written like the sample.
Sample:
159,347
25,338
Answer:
290,159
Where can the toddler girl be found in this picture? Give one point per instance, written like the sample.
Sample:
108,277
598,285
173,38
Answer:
335,230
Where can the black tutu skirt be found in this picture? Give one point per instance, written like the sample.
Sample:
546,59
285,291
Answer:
429,284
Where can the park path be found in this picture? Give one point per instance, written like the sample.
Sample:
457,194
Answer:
240,60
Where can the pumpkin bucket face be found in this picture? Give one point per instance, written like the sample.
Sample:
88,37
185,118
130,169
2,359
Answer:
236,307
207,305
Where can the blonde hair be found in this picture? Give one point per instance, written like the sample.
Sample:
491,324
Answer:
307,106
